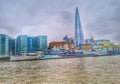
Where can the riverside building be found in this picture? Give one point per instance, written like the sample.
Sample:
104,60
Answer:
41,43
26,44
61,45
31,47
79,37
7,45
22,45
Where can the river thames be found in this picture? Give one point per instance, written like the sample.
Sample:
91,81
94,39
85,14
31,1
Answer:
86,70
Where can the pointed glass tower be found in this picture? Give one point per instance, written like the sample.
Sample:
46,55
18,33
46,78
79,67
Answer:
79,38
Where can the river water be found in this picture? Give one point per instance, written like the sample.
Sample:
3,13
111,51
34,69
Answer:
87,70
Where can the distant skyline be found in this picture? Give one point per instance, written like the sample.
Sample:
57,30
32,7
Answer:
56,18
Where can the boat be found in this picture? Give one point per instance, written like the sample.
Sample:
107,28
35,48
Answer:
44,57
20,58
24,57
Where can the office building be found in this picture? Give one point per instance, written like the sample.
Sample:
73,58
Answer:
26,44
79,37
22,41
7,45
31,44
4,45
88,41
102,40
22,45
41,43
12,46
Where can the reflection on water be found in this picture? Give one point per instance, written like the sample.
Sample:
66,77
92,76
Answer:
88,70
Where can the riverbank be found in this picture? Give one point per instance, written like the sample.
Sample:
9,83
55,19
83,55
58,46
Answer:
47,57
24,58
4,58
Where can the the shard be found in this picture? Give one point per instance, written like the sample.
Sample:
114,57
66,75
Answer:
79,37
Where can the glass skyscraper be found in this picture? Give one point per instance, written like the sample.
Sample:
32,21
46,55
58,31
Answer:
79,38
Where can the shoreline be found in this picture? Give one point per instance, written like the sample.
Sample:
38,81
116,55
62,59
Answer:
4,58
67,57
7,59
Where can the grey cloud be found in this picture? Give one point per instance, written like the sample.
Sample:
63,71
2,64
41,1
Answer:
102,18
55,18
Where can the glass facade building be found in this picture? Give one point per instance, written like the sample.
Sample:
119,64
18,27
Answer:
102,40
88,41
27,44
31,44
6,45
12,46
79,38
22,44
41,43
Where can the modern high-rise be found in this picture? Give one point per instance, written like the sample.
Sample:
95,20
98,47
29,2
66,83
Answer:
4,45
12,46
41,43
7,45
31,48
26,44
22,44
79,37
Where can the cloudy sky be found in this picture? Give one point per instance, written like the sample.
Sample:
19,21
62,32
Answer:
55,18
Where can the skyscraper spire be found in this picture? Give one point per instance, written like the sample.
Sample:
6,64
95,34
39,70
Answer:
79,38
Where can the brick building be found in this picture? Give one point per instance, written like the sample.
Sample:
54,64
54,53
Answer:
61,45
